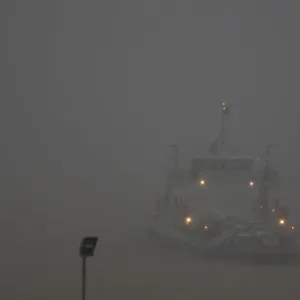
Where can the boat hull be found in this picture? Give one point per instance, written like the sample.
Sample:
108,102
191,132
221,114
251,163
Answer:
263,255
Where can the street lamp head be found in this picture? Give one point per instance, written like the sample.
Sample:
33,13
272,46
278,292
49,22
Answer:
87,246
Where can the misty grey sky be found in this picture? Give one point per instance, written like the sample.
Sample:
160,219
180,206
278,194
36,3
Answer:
111,83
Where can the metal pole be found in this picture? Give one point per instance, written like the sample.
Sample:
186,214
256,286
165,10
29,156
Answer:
83,277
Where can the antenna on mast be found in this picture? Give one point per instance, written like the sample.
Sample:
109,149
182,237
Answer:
217,146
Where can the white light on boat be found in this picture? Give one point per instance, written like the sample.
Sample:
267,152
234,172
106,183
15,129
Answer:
202,182
251,183
224,107
188,220
273,210
281,221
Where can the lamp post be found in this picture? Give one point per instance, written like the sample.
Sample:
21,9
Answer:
87,248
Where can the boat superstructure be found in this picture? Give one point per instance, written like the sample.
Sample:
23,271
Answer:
220,206
223,180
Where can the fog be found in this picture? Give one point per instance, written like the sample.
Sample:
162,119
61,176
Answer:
92,95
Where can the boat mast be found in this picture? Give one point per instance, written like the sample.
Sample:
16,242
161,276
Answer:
217,147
